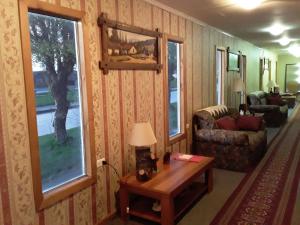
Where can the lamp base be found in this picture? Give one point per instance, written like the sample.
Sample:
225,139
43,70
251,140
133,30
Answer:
144,163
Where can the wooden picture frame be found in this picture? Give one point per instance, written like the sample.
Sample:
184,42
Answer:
233,60
128,47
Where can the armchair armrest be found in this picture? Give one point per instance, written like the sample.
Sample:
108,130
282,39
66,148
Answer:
228,137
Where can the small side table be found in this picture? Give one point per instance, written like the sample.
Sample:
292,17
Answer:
175,186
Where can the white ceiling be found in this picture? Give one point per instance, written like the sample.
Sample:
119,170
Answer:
246,24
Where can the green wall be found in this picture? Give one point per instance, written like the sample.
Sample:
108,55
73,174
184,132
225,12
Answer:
282,61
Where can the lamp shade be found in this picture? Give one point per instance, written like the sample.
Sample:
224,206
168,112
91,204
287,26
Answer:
238,85
142,135
271,84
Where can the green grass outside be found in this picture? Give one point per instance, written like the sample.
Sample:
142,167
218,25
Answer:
58,159
47,99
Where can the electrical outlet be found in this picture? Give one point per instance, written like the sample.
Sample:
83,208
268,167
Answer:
100,162
187,126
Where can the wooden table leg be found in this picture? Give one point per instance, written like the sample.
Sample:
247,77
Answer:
124,203
167,211
209,179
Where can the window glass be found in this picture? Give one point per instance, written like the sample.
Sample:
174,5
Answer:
218,77
56,75
174,78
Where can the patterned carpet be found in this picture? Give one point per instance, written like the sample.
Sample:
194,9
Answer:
267,195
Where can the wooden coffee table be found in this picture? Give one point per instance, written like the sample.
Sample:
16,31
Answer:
177,186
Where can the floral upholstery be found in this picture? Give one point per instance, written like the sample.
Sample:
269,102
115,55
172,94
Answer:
233,150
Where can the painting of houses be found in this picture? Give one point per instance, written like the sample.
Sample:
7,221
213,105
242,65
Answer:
128,47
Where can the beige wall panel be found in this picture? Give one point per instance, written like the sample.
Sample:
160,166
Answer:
95,52
82,207
212,64
157,18
125,16
16,139
114,137
182,147
144,97
57,214
128,117
159,93
197,67
174,25
205,67
175,147
159,114
72,4
109,7
124,11
101,197
166,22
181,26
142,14
189,76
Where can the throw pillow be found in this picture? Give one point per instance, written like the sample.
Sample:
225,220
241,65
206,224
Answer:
252,123
227,123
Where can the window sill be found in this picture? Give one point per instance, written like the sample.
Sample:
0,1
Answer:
174,139
50,198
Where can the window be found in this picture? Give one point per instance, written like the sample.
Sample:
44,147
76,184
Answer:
220,68
175,89
58,99
58,105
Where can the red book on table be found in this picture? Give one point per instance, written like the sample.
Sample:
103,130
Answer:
186,157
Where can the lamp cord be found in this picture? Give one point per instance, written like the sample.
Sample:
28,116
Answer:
115,170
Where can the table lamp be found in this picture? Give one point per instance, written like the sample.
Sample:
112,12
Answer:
141,138
239,86
270,85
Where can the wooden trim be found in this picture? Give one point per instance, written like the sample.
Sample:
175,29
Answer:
43,200
285,74
183,105
53,10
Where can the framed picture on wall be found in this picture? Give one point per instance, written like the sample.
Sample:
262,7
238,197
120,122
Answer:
128,47
233,60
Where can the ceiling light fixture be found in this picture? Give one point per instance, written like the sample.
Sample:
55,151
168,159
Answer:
277,29
248,4
284,41
294,50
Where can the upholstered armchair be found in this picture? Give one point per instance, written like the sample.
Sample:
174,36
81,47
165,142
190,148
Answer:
274,109
238,150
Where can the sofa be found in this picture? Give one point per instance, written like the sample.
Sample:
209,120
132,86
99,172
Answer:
273,108
233,149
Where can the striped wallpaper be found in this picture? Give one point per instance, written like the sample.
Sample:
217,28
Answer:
119,99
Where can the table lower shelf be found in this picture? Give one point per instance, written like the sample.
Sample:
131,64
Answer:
142,206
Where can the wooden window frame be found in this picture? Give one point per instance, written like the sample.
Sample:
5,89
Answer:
44,200
182,135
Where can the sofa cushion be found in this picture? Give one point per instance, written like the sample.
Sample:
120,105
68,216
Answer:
226,123
252,123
